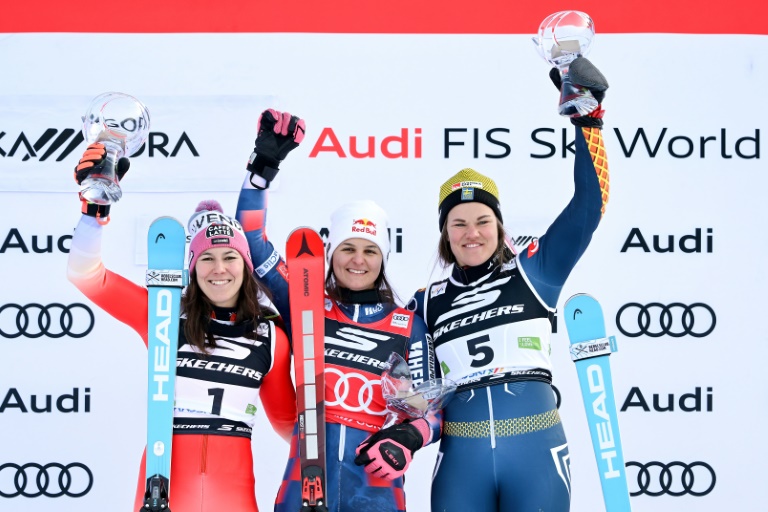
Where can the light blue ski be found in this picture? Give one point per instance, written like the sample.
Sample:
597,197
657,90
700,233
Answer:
165,279
590,350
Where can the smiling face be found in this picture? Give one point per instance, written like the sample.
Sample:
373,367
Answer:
219,273
472,233
356,264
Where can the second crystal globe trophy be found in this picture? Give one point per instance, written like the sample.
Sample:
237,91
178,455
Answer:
562,37
406,401
121,123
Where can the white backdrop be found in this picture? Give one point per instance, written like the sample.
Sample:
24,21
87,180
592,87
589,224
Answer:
677,90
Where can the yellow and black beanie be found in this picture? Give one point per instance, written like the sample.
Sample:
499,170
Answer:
466,186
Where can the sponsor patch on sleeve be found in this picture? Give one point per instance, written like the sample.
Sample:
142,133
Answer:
283,269
533,248
265,267
400,321
437,290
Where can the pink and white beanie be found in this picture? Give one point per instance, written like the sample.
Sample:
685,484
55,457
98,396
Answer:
210,228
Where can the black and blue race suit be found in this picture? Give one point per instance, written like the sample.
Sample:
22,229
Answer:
503,446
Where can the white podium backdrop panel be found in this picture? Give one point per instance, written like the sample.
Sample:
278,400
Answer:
675,261
41,132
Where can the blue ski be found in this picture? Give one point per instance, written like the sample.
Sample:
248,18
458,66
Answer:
590,350
165,278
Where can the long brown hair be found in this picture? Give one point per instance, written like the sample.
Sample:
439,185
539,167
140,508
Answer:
198,309
503,253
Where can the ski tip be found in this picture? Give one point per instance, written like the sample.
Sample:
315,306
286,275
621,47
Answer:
584,319
304,241
165,227
303,229
578,296
166,219
581,299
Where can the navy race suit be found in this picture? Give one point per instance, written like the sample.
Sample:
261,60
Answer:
503,446
360,336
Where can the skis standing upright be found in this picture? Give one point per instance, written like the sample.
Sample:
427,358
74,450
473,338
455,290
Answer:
590,350
165,278
306,276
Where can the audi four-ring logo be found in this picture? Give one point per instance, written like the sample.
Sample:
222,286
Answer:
52,480
673,478
676,320
54,320
365,392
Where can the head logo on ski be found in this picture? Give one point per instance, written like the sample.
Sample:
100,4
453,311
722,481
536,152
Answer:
590,349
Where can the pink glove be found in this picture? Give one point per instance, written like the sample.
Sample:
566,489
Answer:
388,453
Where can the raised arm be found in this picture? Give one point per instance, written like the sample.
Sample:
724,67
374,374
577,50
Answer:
121,298
549,261
278,133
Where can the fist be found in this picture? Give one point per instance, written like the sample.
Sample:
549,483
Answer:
93,158
277,134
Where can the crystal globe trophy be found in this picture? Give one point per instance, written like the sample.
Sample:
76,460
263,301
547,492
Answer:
121,123
406,401
564,36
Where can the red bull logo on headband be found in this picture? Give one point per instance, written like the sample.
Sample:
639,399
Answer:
364,226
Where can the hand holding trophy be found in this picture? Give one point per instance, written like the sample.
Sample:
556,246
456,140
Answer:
406,401
563,37
388,452
121,123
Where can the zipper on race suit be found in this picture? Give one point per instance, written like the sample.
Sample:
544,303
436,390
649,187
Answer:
490,417
204,455
342,439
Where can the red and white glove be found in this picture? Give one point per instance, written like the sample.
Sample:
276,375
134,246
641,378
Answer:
93,159
388,453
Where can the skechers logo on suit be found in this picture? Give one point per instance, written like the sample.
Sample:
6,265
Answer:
224,348
479,317
473,300
357,339
478,298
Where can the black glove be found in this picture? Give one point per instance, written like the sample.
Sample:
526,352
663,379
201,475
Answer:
92,161
583,73
277,134
388,452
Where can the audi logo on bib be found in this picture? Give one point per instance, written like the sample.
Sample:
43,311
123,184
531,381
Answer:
656,319
51,480
674,478
353,391
52,320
